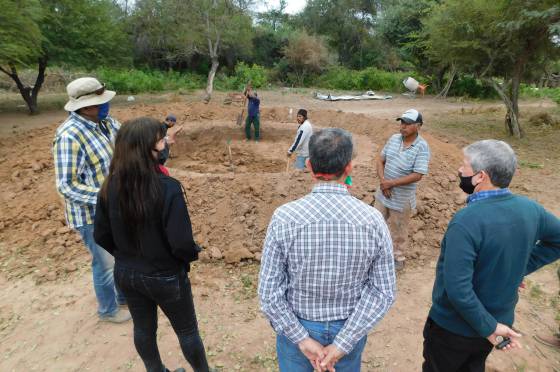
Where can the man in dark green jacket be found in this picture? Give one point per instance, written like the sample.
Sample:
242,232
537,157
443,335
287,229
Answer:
489,246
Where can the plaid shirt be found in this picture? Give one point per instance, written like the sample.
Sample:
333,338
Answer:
327,256
481,195
82,153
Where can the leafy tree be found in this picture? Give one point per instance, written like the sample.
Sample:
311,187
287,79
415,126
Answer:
349,26
84,33
306,54
400,25
20,44
502,42
178,30
274,18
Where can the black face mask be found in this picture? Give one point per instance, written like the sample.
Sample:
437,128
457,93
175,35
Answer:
466,184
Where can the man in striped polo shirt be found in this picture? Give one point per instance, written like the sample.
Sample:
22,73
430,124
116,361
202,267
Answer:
401,164
82,150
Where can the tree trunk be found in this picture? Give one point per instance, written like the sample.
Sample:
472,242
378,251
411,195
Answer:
211,75
29,93
511,102
445,90
514,98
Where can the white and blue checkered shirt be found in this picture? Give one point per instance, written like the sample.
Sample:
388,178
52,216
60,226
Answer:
82,153
401,161
327,256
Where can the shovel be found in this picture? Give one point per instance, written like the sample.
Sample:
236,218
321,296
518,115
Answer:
240,116
230,157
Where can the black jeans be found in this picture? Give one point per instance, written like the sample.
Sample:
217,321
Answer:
172,293
445,351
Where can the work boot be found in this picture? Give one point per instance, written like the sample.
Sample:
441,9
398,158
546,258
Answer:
552,341
120,316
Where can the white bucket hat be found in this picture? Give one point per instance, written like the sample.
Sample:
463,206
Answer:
86,91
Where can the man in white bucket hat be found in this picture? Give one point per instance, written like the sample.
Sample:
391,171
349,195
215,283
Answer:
82,149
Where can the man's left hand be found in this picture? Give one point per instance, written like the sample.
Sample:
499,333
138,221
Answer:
333,356
386,184
505,331
172,132
313,351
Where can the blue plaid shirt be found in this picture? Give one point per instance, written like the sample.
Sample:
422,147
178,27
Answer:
327,256
481,195
82,153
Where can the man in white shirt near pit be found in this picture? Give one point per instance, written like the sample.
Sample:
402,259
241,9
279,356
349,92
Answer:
301,142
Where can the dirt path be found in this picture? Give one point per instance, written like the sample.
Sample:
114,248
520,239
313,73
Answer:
47,311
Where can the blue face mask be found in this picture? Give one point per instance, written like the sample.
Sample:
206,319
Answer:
103,111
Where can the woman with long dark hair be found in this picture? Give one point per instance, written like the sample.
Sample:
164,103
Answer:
142,220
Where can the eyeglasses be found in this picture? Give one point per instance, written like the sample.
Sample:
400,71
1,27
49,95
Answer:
98,92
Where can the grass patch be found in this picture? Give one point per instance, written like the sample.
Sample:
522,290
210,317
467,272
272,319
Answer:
468,125
536,291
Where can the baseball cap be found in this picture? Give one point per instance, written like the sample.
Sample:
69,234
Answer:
171,117
410,117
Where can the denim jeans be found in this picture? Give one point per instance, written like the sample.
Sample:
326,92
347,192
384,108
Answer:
102,269
300,162
291,359
171,291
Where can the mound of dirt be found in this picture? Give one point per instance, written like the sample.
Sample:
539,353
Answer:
230,207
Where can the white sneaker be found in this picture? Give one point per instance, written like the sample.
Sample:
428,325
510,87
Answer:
120,316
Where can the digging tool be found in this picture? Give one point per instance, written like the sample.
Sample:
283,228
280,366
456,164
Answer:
230,157
240,116
287,164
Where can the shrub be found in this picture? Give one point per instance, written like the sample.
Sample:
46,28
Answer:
367,79
258,75
137,81
534,92
469,86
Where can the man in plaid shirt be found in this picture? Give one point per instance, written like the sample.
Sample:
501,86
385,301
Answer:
82,150
327,275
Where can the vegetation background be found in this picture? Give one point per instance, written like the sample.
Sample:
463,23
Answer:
479,49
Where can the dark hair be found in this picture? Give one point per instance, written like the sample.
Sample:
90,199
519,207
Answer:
330,151
134,173
302,112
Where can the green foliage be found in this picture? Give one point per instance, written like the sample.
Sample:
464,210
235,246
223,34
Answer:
367,79
347,25
469,86
534,92
172,33
138,81
20,36
85,33
256,74
305,55
401,26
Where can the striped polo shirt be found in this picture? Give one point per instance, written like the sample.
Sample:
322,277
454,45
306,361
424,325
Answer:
400,162
82,153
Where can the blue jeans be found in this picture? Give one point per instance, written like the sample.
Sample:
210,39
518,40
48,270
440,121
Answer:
171,291
300,162
102,264
291,359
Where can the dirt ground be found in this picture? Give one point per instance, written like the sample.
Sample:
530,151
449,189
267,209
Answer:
47,305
